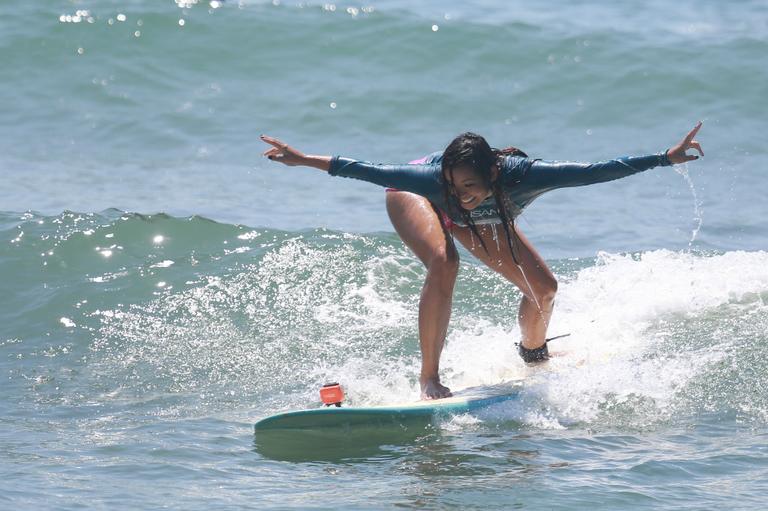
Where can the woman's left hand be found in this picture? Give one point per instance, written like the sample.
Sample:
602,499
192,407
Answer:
676,154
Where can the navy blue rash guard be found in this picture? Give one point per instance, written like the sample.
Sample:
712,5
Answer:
522,179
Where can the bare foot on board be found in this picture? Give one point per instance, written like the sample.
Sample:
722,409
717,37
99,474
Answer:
431,388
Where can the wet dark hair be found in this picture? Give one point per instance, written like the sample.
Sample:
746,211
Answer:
472,150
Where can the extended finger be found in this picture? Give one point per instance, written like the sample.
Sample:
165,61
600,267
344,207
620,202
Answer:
691,157
273,141
693,144
693,132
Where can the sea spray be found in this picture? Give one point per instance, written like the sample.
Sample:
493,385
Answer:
698,211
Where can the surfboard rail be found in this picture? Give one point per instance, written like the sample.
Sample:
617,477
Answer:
464,401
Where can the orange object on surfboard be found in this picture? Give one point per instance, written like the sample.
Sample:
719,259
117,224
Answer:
331,394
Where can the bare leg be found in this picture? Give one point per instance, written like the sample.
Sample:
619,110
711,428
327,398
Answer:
533,278
420,229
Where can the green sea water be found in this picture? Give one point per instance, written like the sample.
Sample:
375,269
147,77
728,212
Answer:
162,286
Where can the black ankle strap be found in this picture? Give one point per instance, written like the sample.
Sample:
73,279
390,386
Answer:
539,354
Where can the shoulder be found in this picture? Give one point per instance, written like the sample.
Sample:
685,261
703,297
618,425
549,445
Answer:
514,168
435,158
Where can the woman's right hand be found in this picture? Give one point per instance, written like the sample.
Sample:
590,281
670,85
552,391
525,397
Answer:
283,153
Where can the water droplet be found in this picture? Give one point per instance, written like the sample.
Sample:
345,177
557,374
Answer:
121,17
435,28
181,22
158,239
333,104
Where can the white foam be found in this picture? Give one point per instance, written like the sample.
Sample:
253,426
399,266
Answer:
608,362
609,308
379,311
321,314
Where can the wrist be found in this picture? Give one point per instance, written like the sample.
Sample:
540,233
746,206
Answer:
318,162
664,160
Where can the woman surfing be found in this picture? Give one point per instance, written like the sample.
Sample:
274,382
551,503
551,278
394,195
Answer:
473,193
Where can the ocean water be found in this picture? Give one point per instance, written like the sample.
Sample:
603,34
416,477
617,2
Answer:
162,286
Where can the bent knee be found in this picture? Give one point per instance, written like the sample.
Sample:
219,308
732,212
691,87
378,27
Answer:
444,264
546,291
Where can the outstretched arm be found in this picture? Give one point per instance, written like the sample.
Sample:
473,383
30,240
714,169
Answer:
547,175
420,179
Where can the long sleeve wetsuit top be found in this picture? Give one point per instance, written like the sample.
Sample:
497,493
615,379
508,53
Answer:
522,179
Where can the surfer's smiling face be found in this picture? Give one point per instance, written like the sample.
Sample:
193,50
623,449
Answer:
468,186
